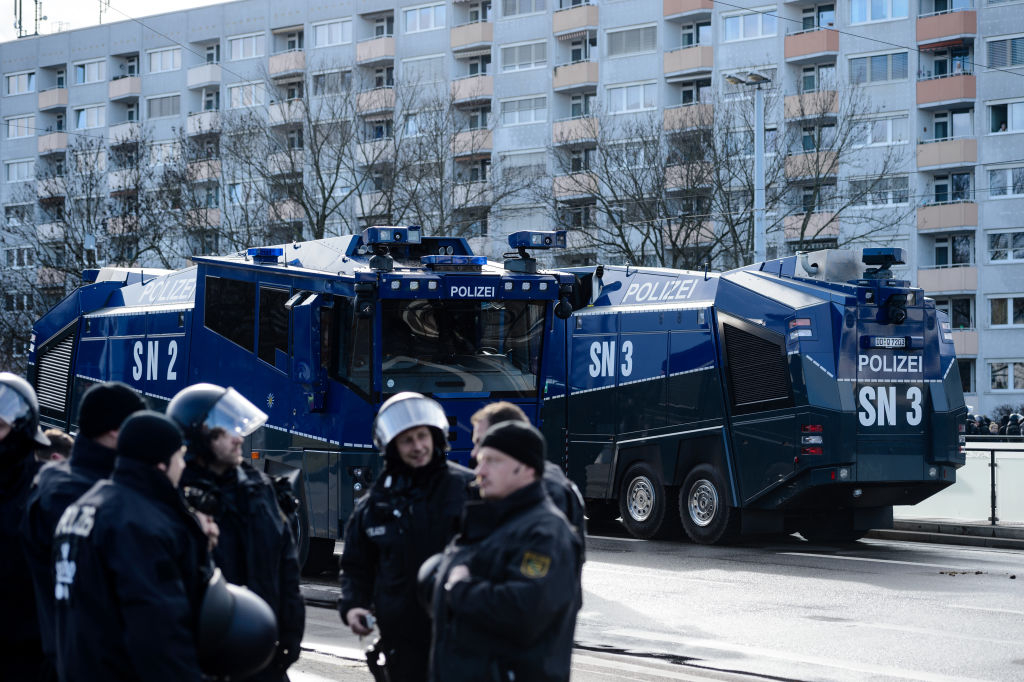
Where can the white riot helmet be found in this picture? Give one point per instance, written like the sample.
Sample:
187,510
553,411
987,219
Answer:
405,411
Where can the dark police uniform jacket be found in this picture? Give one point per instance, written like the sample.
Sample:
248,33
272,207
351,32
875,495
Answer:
407,516
57,485
256,549
130,569
514,617
567,498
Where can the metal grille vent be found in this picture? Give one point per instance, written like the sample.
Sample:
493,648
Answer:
757,369
53,374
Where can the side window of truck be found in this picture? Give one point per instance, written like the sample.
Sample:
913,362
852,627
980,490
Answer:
229,309
273,323
353,350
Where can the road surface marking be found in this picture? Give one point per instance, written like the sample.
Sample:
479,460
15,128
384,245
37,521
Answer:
879,561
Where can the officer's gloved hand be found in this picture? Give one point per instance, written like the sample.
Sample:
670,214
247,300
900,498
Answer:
284,657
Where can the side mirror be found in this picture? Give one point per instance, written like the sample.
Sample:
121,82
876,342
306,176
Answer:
306,360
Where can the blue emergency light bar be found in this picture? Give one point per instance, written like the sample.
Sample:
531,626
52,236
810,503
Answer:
265,254
392,234
432,261
537,239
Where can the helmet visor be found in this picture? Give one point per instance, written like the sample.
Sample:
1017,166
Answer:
235,414
12,405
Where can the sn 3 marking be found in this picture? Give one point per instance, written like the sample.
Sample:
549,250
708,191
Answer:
602,359
878,406
151,353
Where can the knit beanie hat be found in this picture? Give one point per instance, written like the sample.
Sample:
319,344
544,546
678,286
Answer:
149,437
518,440
105,406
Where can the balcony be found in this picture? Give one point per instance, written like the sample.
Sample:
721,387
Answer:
375,151
54,98
206,169
951,153
287,63
472,89
285,163
50,277
123,180
819,226
688,175
472,36
127,88
203,123
473,143
283,113
574,185
946,278
123,133
202,216
577,76
681,8
286,211
686,116
574,19
376,100
807,46
811,104
122,225
203,75
948,215
575,130
947,25
965,341
370,203
52,143
466,194
946,90
689,60
50,232
376,50
50,188
812,164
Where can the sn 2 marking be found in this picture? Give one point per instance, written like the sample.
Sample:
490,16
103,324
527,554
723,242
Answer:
878,406
467,291
149,354
890,364
602,359
650,292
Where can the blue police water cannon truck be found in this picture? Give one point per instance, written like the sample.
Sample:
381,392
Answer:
809,393
317,334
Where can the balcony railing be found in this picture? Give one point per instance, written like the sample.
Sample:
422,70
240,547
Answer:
926,74
969,5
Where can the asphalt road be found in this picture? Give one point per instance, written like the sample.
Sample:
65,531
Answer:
780,609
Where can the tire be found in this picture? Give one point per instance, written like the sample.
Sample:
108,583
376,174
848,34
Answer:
642,501
704,510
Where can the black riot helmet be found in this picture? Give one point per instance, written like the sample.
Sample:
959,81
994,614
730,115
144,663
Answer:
201,409
19,408
237,630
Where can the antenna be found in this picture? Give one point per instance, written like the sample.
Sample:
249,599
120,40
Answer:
104,7
19,18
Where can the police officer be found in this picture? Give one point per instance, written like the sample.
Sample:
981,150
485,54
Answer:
506,592
255,548
129,564
21,654
409,513
104,407
559,488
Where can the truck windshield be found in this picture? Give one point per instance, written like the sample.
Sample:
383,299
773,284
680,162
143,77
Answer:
462,346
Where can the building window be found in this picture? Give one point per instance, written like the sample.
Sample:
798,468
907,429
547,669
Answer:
478,118
639,97
18,257
293,138
1006,247
17,302
822,16
332,33
954,250
159,107
966,370
1007,117
882,131
1006,311
1006,52
881,191
818,137
632,41
211,100
247,47
164,60
522,111
511,8
952,188
864,11
879,68
581,105
90,72
384,27
1006,182
19,171
425,18
817,78
531,164
581,160
1006,376
20,126
213,54
246,95
747,26
523,57
91,117
330,83
695,34
949,125
20,83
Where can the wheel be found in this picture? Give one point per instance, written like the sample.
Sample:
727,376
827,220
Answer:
704,510
316,555
642,501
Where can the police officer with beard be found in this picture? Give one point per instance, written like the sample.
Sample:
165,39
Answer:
255,548
21,654
505,594
409,513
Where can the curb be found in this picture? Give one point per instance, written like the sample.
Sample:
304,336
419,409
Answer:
969,535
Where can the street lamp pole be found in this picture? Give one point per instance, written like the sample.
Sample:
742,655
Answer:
756,79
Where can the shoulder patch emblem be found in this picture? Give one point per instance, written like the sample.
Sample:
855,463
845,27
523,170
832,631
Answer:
535,565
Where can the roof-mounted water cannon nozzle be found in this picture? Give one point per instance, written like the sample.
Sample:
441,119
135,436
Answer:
884,259
521,261
265,255
380,238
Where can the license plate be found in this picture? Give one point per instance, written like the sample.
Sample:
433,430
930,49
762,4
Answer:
889,342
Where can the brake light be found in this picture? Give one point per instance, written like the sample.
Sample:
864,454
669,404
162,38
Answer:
812,450
812,439
812,428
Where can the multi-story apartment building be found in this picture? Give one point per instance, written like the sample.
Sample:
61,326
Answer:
946,78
